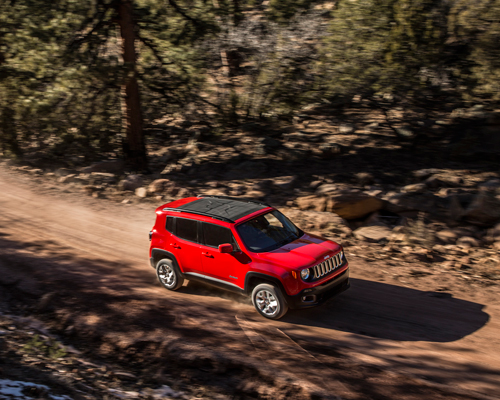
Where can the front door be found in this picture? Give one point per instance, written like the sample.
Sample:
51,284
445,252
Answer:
224,267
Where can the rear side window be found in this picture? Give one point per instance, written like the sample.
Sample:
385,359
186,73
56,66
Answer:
186,229
214,235
170,224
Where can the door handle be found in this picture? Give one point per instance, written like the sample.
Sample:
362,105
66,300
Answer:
207,254
175,245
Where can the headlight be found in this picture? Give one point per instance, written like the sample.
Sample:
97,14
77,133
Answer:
304,274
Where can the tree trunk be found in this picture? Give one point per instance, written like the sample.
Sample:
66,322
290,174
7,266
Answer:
134,145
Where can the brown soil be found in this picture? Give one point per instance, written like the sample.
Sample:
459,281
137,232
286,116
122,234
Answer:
75,270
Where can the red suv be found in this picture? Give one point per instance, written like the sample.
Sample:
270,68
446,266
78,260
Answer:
248,247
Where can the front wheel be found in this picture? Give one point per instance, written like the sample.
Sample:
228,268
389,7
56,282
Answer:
268,301
169,275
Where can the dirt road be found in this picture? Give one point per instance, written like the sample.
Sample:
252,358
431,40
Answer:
84,263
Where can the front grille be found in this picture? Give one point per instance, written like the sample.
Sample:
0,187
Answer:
328,266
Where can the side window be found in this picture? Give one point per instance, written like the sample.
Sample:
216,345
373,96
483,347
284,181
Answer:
170,224
214,235
186,229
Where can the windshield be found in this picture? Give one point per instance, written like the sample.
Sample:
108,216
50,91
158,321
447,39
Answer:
268,232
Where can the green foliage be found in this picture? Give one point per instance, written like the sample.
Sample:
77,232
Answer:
388,46
48,347
475,26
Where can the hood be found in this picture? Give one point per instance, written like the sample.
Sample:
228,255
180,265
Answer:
303,252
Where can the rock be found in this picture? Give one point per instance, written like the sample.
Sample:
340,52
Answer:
131,182
113,166
35,171
348,204
425,173
159,186
102,177
405,132
326,188
453,181
374,234
447,236
255,194
311,203
496,245
483,211
141,192
434,182
62,172
364,178
413,201
346,129
67,178
353,204
315,184
323,221
415,188
285,183
467,241
329,150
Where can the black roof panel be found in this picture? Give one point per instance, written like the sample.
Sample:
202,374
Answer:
230,209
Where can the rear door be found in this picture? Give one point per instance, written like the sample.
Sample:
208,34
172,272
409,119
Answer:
226,267
184,243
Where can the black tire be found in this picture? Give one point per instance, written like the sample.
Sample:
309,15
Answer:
269,301
168,274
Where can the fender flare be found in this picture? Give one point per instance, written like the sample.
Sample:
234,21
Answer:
158,254
264,277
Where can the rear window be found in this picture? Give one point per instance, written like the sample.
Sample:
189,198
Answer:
215,235
186,229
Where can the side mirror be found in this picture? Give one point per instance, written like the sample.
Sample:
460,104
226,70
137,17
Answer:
225,248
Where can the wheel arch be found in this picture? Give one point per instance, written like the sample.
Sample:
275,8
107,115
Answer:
158,254
253,279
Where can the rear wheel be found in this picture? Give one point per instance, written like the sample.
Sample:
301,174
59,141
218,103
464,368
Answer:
269,301
169,275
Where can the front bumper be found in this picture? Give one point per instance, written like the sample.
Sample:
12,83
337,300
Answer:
317,295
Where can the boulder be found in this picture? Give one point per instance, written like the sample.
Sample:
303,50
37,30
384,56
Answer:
364,178
320,221
66,178
316,203
159,186
141,192
415,188
425,173
447,236
467,241
346,128
131,182
349,204
374,233
326,188
102,177
285,182
352,204
483,211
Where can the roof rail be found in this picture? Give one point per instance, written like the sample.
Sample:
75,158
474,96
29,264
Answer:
198,213
236,199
